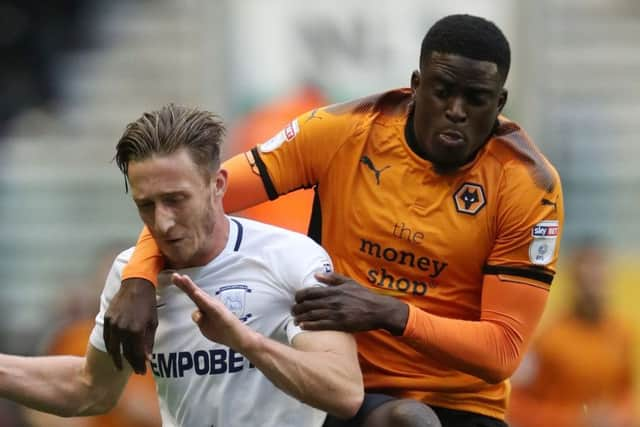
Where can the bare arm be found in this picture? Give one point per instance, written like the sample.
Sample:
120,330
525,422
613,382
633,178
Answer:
63,385
320,369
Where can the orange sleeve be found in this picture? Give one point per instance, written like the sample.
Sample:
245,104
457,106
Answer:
299,155
146,261
492,347
244,189
529,223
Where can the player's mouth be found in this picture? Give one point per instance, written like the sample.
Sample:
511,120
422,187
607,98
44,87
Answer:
174,241
451,138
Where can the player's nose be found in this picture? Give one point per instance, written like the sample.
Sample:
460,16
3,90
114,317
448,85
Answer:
164,219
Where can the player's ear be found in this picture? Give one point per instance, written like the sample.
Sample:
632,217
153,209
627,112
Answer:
220,182
502,99
415,81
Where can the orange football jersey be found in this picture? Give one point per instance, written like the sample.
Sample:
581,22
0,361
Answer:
394,224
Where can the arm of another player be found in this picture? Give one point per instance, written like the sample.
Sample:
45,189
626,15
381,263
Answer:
132,318
320,368
515,287
67,386
490,348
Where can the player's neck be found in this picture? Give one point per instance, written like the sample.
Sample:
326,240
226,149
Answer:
219,236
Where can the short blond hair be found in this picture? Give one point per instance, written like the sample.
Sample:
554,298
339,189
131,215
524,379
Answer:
169,129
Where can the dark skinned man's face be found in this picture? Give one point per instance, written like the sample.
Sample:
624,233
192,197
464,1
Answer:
457,101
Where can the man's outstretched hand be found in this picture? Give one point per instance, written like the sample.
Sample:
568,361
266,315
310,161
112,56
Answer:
347,306
214,319
130,323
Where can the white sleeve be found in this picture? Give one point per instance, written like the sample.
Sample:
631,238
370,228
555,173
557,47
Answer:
111,287
302,260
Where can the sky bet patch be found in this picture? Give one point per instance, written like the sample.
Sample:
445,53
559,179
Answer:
546,229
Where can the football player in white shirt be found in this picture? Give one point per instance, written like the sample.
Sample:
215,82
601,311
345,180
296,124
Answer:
243,362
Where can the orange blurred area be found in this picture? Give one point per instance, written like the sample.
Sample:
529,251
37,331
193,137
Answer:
293,210
624,298
577,364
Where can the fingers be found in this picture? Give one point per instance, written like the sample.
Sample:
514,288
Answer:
149,338
200,298
134,346
316,292
307,306
112,343
131,345
130,323
106,335
322,325
332,279
133,351
184,282
312,315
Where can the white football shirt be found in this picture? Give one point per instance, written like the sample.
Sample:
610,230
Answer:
202,383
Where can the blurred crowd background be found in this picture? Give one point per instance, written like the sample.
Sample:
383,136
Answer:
75,72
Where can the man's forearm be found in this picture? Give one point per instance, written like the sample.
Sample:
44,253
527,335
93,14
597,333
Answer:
489,348
48,384
329,380
59,385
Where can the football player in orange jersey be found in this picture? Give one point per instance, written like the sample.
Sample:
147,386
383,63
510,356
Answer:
441,213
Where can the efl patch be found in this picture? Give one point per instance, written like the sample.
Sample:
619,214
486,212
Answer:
543,246
286,134
469,198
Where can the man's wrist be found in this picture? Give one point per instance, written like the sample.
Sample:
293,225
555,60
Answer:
395,318
252,343
137,283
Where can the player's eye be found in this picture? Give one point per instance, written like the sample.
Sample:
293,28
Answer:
477,98
441,91
145,206
174,199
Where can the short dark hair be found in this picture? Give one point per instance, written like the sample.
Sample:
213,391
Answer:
169,129
469,36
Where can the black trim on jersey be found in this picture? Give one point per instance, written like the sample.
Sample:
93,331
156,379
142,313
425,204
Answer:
538,274
238,235
410,137
266,179
315,222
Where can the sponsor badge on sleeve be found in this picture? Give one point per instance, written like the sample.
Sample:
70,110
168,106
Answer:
543,245
286,134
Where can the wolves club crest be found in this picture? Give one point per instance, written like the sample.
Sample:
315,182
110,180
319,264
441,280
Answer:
469,198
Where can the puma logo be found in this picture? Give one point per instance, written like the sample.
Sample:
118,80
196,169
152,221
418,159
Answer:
547,202
367,162
469,198
313,116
